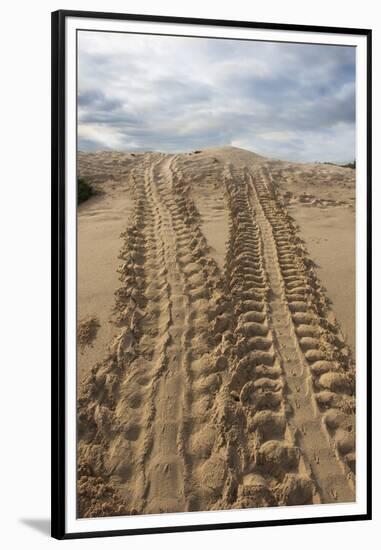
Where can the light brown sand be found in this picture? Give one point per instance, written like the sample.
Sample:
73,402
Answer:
330,239
224,380
100,222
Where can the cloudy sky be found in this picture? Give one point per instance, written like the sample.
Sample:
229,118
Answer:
287,101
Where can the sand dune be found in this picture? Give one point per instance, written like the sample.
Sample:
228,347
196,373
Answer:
223,379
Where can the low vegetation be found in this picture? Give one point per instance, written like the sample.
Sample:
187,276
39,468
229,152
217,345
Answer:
84,190
347,165
350,165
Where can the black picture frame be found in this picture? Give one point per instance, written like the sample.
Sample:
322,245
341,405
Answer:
58,248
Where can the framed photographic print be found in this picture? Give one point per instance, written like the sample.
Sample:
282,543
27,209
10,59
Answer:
211,274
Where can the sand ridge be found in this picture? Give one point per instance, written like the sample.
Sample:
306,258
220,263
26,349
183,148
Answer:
227,384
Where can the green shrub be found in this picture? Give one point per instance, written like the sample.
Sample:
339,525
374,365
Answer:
84,189
348,165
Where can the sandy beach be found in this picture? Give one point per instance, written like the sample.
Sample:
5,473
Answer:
216,333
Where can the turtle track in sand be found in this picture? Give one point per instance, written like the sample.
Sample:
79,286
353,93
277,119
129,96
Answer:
180,406
317,363
151,429
289,434
266,464
224,388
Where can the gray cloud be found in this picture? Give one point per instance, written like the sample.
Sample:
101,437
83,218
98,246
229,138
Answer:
291,101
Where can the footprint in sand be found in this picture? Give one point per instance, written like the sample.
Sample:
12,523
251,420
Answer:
87,331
